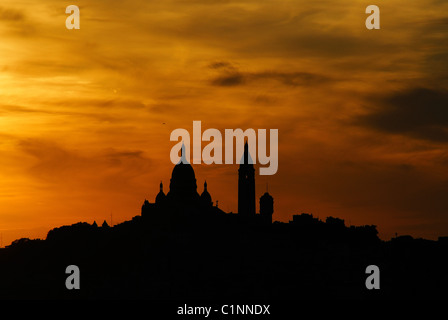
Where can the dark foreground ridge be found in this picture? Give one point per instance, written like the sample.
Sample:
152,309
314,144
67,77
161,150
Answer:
306,258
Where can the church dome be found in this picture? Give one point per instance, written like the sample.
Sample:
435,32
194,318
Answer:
161,195
206,198
183,181
183,172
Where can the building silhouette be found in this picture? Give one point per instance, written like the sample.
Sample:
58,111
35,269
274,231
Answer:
183,204
246,186
266,208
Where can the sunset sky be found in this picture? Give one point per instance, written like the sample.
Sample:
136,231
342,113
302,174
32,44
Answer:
86,115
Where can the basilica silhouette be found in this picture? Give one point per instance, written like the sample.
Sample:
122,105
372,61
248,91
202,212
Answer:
183,204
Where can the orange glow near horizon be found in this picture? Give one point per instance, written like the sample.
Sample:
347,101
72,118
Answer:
86,115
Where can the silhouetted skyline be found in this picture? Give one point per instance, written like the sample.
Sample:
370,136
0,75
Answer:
86,114
183,246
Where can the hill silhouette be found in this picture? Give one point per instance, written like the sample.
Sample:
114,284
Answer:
305,258
183,247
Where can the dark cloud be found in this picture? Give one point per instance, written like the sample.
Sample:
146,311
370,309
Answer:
417,112
229,75
233,77
7,14
120,157
291,78
16,22
229,79
220,64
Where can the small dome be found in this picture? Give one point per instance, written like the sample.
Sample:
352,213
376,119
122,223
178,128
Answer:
266,204
266,196
161,195
145,204
206,198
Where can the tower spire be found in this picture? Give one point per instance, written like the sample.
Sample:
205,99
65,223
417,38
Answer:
246,159
246,186
183,158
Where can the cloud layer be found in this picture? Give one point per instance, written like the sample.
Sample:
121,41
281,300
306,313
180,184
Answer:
417,112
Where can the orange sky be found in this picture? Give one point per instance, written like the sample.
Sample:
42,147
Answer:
361,114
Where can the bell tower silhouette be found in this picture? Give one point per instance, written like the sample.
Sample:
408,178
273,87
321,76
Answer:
246,186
